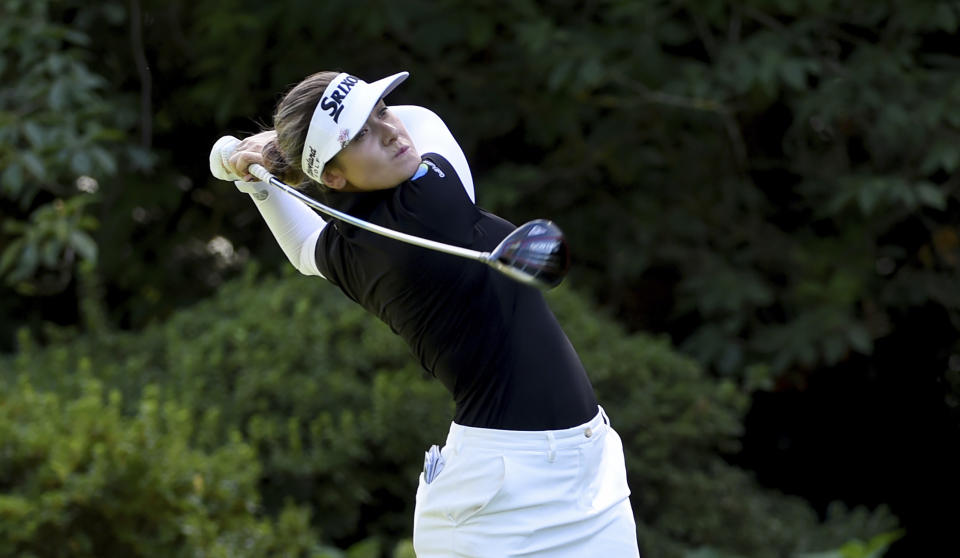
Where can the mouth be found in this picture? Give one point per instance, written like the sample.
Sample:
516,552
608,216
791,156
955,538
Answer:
401,151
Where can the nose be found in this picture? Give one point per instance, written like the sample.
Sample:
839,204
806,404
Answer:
390,133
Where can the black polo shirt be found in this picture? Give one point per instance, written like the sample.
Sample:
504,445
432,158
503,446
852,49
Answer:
492,342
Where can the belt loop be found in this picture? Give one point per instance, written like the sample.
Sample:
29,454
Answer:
552,454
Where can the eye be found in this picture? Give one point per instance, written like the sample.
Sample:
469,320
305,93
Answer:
383,111
360,134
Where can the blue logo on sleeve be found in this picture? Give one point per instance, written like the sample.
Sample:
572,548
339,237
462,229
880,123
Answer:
421,170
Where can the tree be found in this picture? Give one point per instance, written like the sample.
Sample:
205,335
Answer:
60,133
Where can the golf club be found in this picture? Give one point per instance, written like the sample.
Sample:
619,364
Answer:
534,254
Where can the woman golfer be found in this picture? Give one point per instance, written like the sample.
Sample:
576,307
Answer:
531,466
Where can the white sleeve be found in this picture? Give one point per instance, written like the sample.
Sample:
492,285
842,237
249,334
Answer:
431,135
295,226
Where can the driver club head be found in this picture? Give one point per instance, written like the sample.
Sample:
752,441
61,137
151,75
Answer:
535,253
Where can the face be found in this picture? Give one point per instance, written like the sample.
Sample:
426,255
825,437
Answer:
380,156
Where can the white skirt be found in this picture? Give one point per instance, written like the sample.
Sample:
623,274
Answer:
503,493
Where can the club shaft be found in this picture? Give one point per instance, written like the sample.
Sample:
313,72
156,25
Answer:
263,174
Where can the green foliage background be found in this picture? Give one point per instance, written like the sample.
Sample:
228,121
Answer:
278,401
770,188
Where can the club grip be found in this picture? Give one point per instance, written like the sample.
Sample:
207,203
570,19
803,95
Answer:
260,172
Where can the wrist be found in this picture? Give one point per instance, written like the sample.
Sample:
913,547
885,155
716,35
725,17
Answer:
258,190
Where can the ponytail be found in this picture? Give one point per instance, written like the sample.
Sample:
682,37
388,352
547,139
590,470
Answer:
277,163
291,120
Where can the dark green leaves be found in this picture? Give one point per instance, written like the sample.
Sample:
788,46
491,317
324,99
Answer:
58,123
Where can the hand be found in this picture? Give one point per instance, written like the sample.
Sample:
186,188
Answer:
249,151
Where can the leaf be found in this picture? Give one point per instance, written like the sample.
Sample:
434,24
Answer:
76,37
12,180
942,155
592,73
34,134
10,255
860,339
876,547
58,97
16,227
34,164
834,348
84,244
794,74
27,264
946,17
879,544
50,253
950,158
107,134
81,163
367,548
114,13
15,508
932,196
140,159
866,200
104,160
731,359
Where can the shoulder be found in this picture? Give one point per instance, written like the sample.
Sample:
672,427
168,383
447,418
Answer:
434,166
435,179
434,198
420,122
431,135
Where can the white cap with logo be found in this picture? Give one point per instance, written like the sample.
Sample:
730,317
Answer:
341,113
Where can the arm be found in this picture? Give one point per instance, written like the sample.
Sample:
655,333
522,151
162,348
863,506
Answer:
431,135
295,226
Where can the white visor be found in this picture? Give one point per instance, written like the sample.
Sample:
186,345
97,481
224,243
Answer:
341,113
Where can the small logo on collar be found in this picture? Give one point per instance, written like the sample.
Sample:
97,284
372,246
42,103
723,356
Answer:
434,168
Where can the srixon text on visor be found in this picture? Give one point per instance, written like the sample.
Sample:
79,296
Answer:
334,103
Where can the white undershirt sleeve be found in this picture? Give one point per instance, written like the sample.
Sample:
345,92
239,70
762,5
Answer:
431,135
295,226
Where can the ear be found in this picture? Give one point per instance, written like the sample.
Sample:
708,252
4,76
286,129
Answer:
333,178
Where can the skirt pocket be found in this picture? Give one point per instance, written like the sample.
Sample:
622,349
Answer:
605,484
466,486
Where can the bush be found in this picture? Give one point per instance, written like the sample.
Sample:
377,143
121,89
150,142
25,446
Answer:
80,478
336,409
338,414
677,423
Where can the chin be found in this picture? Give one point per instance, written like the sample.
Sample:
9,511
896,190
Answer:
410,163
